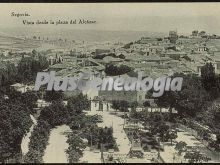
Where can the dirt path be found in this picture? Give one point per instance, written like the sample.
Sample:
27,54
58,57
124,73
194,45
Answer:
55,151
26,139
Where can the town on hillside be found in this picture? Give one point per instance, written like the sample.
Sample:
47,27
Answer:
111,126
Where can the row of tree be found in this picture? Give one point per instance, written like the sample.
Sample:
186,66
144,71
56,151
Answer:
25,71
38,142
14,124
195,94
16,107
113,70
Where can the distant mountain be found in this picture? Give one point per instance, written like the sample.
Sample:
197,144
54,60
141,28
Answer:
10,42
82,35
8,35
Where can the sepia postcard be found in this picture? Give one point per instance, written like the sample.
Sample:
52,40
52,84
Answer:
110,83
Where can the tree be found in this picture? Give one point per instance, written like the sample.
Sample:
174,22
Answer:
98,136
28,99
56,114
157,125
75,149
123,106
190,100
54,96
34,53
196,156
210,115
120,105
181,147
133,109
121,56
113,70
14,124
28,67
38,142
215,145
171,135
218,138
115,105
163,129
76,104
146,104
8,74
208,77
127,46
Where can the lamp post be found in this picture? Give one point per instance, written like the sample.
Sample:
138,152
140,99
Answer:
158,149
174,157
124,119
102,157
91,141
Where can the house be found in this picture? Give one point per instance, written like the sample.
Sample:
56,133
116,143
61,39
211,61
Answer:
173,37
109,59
200,49
161,110
147,40
130,96
69,58
54,58
5,52
102,51
156,49
199,67
175,54
99,104
153,58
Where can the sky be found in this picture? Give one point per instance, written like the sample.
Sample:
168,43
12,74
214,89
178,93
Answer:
156,17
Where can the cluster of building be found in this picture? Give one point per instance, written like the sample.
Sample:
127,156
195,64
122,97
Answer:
155,57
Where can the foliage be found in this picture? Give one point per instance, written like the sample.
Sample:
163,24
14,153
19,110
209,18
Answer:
127,46
77,103
98,136
8,74
14,124
26,70
121,56
133,113
75,149
146,104
113,70
208,76
196,156
171,135
56,114
29,66
38,142
181,147
158,126
28,99
120,105
101,56
190,100
53,96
